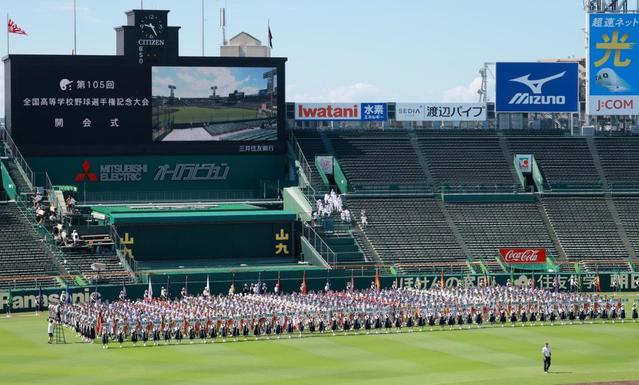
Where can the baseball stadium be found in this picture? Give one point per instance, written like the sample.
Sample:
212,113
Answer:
167,218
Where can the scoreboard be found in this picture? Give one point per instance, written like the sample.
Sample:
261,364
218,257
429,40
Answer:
146,100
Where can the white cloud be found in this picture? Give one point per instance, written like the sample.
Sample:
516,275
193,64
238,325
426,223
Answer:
196,82
467,93
357,92
354,92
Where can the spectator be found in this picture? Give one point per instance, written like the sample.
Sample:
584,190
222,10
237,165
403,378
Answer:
37,199
363,218
70,203
75,238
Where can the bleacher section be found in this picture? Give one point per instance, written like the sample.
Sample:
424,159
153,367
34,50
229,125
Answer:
486,227
23,255
312,145
566,163
370,161
411,230
628,209
619,159
114,272
469,161
585,227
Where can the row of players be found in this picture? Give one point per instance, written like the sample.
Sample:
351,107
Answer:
342,323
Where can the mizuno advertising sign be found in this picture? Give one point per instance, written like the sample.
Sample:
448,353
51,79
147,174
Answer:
537,87
613,62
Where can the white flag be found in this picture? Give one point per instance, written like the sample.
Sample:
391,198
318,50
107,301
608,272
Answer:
208,285
150,288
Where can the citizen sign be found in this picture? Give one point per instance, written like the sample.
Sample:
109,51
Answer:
531,255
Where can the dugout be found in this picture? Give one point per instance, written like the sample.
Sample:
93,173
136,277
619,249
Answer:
174,236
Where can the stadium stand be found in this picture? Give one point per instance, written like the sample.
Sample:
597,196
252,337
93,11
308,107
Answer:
468,161
311,144
25,260
409,231
486,227
566,163
619,157
585,227
628,209
374,161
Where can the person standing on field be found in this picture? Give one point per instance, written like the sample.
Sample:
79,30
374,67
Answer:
546,353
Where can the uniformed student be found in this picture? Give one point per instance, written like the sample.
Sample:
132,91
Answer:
50,328
120,337
105,338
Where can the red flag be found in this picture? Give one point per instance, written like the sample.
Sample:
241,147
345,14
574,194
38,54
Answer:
598,282
98,324
279,286
12,27
303,287
270,37
377,283
443,280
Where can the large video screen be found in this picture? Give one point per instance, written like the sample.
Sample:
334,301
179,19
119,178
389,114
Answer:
108,105
214,103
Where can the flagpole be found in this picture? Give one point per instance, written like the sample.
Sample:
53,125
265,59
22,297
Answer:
202,27
75,48
7,34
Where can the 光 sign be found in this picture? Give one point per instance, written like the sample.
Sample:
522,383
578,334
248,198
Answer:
613,62
537,87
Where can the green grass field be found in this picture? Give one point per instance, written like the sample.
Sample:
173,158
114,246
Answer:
199,114
581,353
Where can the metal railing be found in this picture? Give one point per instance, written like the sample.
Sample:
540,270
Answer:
13,149
172,196
318,243
480,189
127,260
390,188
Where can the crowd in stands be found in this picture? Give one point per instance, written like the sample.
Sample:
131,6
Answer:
49,217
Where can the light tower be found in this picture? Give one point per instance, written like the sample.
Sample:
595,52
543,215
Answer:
213,89
172,88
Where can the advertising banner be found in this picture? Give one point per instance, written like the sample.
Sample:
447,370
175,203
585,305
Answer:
524,256
341,111
524,162
537,87
613,62
430,112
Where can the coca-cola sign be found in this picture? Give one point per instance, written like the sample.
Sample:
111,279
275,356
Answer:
530,255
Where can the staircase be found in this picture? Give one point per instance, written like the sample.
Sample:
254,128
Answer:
597,161
22,183
341,240
421,159
507,151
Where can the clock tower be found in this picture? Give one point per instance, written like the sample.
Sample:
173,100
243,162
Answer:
147,39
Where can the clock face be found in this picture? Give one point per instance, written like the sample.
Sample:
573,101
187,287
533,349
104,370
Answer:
151,26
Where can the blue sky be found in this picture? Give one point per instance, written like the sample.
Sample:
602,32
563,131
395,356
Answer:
196,81
347,50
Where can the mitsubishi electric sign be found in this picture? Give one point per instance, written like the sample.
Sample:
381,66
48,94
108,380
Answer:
537,87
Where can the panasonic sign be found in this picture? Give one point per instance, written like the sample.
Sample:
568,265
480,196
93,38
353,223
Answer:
537,87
